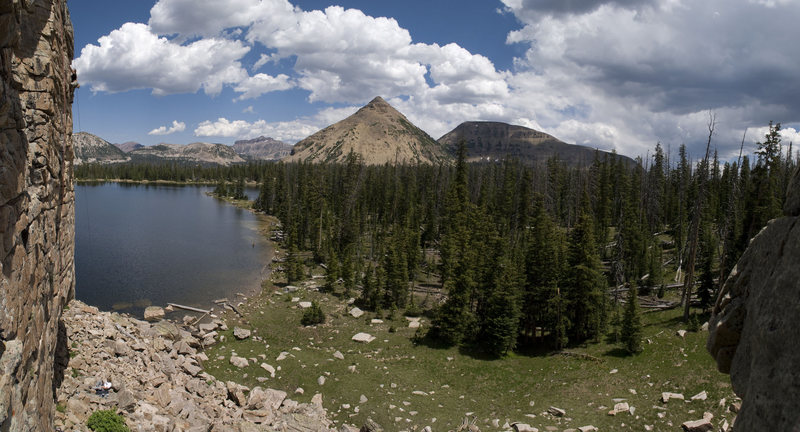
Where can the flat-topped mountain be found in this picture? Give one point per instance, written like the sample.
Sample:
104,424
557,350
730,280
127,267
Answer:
93,149
262,148
378,133
198,152
491,141
129,146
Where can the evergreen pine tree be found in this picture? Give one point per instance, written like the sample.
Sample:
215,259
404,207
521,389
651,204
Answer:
586,288
631,333
500,315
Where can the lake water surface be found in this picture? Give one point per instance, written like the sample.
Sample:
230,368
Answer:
137,245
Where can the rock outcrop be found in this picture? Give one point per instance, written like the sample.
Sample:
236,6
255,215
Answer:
754,323
36,206
157,381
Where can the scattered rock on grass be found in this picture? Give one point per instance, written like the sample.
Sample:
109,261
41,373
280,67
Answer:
666,396
240,333
239,362
363,337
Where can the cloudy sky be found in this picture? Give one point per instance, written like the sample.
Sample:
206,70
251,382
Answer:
611,74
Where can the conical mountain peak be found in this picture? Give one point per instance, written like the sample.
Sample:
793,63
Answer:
377,132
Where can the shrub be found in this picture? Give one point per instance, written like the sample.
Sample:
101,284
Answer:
313,315
694,323
106,421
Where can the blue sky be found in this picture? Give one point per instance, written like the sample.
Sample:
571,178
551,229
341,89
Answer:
611,74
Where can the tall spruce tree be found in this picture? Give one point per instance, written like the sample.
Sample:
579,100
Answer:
631,334
585,291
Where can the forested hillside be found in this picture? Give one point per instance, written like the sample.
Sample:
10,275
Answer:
506,256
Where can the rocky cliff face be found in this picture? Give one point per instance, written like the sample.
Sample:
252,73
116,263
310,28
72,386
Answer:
754,324
36,206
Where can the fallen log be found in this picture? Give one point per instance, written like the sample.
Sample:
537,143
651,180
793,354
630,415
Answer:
579,355
189,308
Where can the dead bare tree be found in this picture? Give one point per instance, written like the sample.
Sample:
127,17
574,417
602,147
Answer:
730,216
694,229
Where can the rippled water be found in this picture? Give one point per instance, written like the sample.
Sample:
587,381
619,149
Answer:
138,245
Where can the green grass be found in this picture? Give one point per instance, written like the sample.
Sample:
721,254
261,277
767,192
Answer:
515,388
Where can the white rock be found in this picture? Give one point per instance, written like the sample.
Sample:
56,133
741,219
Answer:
413,324
269,369
282,356
304,304
338,355
321,380
681,333
700,396
363,399
522,427
356,312
363,337
666,396
376,321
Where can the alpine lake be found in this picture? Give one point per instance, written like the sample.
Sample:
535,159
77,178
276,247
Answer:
138,245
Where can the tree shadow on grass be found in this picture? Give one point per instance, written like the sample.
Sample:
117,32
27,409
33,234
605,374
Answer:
618,352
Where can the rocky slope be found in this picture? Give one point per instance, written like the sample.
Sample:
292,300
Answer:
129,146
262,148
93,149
378,133
37,206
753,319
158,383
493,141
199,152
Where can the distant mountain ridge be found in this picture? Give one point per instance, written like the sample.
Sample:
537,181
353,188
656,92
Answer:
129,146
262,148
197,152
93,149
491,141
378,133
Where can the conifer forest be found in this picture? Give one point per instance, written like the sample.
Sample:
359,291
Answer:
504,256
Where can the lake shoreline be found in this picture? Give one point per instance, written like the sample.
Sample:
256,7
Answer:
244,278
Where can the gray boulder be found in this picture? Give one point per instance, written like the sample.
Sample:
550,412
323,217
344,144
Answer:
755,316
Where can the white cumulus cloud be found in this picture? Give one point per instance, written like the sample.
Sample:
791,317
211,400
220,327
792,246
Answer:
164,130
133,57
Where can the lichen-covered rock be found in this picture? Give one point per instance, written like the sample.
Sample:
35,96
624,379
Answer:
754,321
36,206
